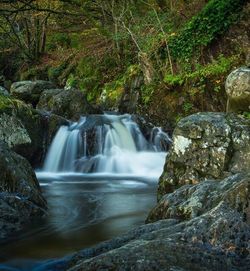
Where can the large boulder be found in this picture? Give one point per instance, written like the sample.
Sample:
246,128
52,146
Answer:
20,195
238,90
190,201
25,130
71,103
30,91
205,146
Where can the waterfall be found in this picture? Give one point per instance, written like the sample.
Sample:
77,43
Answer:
110,144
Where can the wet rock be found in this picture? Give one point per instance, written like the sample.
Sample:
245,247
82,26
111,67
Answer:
202,221
12,131
25,130
215,239
190,201
129,99
71,104
238,90
30,91
205,146
20,195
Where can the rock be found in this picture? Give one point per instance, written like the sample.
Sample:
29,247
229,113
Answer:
4,91
238,90
129,99
215,238
204,224
205,146
20,194
45,98
71,104
27,131
190,201
30,91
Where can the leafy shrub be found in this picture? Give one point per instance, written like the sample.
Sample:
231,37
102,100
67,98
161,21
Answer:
218,67
58,39
213,20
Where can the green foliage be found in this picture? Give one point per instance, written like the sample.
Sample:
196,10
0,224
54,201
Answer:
71,82
213,20
214,69
147,93
174,80
112,92
55,72
246,115
87,74
187,107
58,39
35,73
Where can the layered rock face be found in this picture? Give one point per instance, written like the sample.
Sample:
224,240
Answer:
20,195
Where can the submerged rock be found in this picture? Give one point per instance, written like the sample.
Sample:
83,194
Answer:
20,194
71,103
30,91
206,146
238,90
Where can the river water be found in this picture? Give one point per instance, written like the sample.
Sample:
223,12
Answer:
92,196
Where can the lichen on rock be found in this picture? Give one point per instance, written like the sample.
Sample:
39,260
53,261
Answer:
238,90
205,146
12,131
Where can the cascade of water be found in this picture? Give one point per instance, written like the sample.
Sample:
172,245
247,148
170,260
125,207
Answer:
53,158
159,139
107,144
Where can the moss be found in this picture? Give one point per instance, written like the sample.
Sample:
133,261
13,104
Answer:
5,102
35,73
7,105
214,19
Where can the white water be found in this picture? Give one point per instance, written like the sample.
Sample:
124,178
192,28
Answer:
107,145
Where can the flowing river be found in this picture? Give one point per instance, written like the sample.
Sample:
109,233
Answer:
100,179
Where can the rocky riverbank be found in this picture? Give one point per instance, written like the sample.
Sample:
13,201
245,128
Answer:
21,199
25,135
202,220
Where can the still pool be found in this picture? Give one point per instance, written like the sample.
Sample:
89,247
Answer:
84,209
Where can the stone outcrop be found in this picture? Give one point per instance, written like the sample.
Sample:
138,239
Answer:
20,195
198,244
25,130
71,103
206,146
190,201
30,91
238,90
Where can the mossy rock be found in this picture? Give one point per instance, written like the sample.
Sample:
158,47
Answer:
26,130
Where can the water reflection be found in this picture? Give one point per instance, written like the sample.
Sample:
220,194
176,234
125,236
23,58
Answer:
82,212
